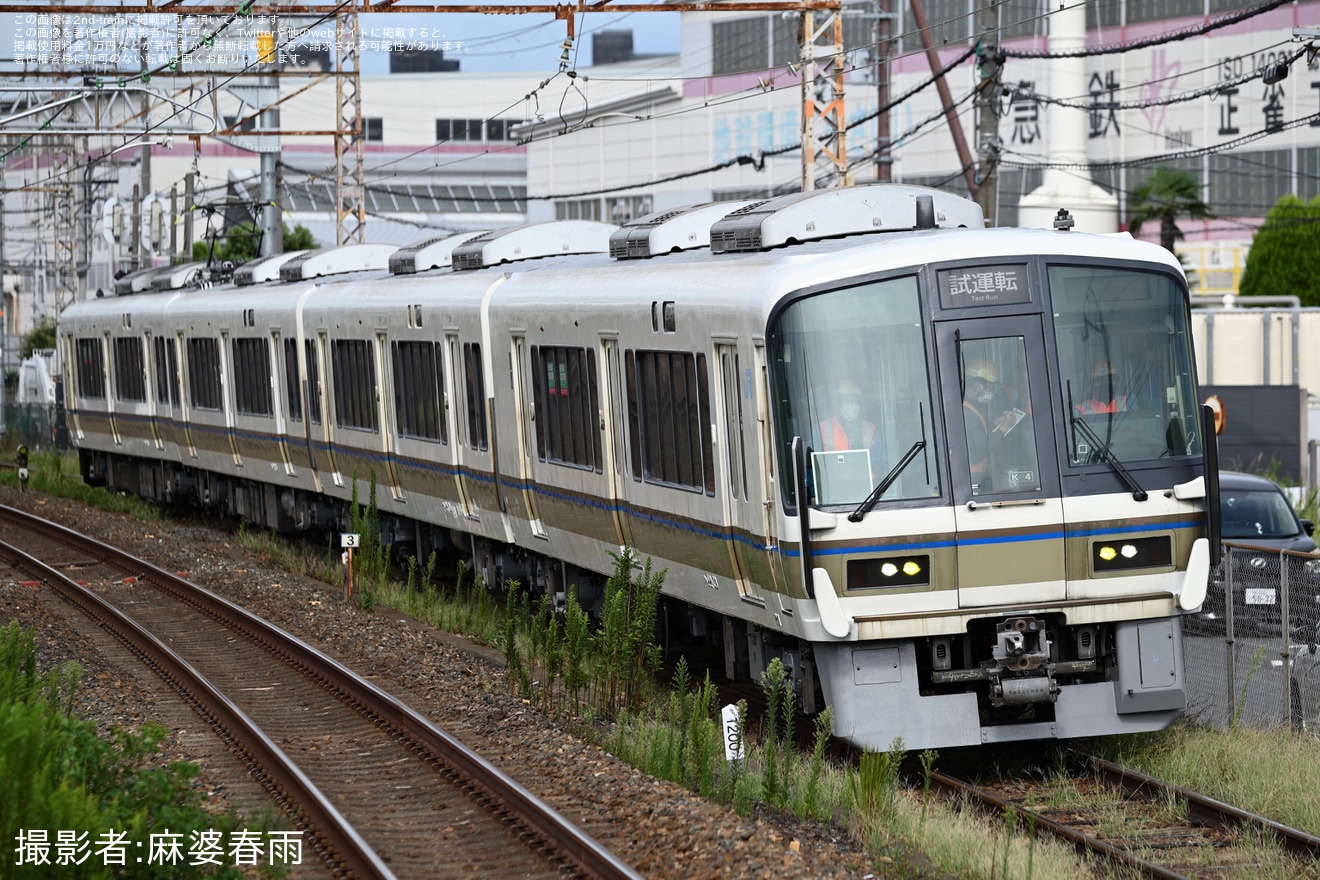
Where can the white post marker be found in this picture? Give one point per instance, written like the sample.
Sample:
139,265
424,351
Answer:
349,541
733,744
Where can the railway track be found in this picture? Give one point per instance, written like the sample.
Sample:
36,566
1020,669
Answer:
1143,824
377,791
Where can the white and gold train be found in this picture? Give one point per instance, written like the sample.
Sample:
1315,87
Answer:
953,477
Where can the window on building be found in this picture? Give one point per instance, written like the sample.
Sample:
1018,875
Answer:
669,417
501,129
951,21
1249,182
740,44
1308,173
460,130
355,384
373,129
476,395
204,373
252,394
578,209
621,209
564,389
167,371
418,394
130,380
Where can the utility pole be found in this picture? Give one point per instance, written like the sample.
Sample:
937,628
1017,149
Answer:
884,29
272,231
990,64
946,99
140,248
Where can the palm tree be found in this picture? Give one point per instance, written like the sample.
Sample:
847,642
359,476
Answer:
1165,195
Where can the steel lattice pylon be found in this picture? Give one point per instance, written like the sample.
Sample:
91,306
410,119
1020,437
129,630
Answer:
350,213
61,200
824,124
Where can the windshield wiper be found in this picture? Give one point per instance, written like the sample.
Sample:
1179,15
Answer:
1138,493
874,497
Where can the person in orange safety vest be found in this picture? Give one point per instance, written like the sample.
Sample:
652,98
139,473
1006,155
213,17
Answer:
846,429
1104,392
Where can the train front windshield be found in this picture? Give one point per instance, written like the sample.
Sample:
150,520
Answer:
851,378
851,381
1125,368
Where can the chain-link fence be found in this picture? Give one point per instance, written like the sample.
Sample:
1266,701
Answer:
1250,653
31,424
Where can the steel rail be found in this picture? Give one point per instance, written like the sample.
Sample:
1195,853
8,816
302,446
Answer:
589,857
337,843
1208,810
1083,843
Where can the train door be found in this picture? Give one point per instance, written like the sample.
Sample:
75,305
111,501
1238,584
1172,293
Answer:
385,413
616,441
457,394
185,399
324,383
111,387
152,377
742,507
1008,509
278,390
227,390
527,418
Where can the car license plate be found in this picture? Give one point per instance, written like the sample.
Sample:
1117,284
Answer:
1260,596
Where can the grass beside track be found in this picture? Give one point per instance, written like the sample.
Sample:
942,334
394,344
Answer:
672,732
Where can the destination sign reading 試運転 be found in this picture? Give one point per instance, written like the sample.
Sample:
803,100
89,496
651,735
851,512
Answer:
983,286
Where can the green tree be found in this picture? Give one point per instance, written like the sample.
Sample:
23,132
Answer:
1285,253
42,335
243,242
1165,196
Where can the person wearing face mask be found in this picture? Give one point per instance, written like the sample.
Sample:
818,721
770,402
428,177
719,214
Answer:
848,430
989,420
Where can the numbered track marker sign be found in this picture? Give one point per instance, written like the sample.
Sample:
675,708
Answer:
350,540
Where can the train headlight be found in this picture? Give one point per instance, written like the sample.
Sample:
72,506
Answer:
1153,552
888,571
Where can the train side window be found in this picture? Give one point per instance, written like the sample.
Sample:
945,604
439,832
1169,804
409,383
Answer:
204,388
313,383
252,395
167,371
354,384
476,395
669,401
564,385
91,369
292,381
418,405
130,378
